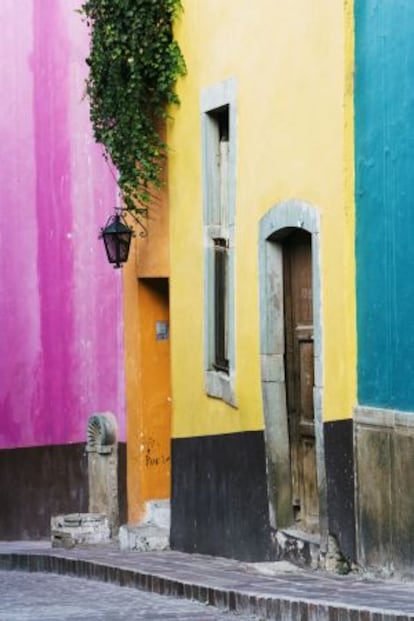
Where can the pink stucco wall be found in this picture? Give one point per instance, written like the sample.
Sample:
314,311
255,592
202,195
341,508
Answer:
61,352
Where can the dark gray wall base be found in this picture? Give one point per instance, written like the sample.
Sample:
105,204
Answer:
340,483
122,482
219,502
38,482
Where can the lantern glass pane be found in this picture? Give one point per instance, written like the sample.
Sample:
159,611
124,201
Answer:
111,247
124,241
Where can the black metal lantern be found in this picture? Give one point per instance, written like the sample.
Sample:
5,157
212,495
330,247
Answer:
117,239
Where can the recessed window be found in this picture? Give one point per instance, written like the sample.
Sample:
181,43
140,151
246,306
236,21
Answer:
218,124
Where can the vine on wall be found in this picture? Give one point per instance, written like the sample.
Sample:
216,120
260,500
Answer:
134,63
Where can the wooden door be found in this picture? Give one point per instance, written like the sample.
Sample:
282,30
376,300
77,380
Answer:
299,368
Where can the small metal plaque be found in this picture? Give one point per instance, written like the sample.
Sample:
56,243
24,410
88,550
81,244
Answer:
162,330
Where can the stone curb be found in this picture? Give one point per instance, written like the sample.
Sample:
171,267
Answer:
272,609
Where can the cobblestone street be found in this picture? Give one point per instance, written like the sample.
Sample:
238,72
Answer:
276,591
47,597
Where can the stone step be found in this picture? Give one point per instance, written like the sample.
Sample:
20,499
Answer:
144,537
158,513
75,529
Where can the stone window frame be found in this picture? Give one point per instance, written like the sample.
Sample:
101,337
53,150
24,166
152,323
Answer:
218,384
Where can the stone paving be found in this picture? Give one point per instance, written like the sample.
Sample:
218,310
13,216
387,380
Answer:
227,584
47,597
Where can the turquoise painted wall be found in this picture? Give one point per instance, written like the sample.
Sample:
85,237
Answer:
384,126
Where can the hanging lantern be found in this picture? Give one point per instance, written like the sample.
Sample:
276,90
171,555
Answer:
117,239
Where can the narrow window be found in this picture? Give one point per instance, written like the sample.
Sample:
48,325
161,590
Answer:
220,118
221,315
218,107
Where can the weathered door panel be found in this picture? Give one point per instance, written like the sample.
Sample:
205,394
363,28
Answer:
299,367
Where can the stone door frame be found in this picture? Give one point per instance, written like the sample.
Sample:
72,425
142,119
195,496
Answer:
273,227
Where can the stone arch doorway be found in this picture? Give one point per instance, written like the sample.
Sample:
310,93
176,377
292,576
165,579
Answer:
291,368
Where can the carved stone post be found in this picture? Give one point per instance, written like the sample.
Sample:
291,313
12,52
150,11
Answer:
102,449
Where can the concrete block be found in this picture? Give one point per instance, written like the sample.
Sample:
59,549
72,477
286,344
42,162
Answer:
74,529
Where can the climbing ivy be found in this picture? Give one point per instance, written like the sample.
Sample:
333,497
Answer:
134,63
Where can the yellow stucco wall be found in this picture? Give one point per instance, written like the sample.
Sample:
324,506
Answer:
293,65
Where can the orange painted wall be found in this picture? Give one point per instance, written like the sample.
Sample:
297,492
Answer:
152,253
147,363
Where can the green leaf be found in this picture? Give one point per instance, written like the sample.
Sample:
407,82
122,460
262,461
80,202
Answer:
133,64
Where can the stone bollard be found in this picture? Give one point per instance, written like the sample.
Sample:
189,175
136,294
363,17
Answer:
102,449
102,521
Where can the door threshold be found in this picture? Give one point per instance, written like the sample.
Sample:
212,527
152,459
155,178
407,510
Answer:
296,546
313,538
